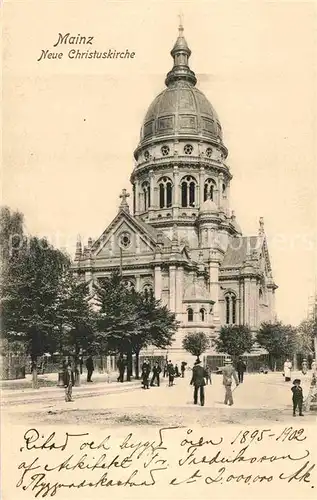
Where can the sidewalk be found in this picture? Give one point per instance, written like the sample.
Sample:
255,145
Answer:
48,385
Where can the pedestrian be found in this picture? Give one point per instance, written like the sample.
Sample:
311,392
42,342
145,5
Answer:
314,366
208,375
304,366
156,375
227,373
198,381
146,369
90,368
165,373
171,373
183,368
121,367
177,374
287,370
69,381
81,363
297,397
241,368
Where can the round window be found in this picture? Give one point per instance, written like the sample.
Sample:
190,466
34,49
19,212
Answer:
165,150
188,149
125,240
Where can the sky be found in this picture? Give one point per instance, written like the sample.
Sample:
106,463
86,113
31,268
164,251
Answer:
70,126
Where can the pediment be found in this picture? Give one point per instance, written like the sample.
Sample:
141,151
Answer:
124,233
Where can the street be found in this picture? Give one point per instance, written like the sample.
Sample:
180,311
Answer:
261,398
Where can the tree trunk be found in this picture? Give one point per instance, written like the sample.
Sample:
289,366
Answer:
295,361
35,384
129,366
137,365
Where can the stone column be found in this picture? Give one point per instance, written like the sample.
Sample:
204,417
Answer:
247,295
156,197
137,197
254,303
176,186
158,282
175,194
179,291
220,182
214,285
151,188
138,283
172,288
201,185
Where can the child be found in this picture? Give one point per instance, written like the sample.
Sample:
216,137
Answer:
69,381
297,397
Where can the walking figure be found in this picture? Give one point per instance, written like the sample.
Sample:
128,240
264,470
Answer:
146,369
241,368
177,374
171,374
90,368
297,397
69,381
156,375
198,381
228,372
183,368
304,366
287,370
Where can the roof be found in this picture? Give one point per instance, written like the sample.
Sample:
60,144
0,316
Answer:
152,231
238,249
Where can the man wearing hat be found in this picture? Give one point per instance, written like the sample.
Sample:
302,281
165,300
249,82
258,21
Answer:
228,372
198,381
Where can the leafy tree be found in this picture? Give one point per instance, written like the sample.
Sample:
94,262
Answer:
306,333
234,340
75,320
155,324
30,291
278,339
128,321
117,317
196,343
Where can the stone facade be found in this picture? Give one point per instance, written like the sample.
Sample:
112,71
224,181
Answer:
182,240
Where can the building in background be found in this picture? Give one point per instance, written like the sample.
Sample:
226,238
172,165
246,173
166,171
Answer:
182,240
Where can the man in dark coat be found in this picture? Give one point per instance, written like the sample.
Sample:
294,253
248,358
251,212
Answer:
241,368
156,375
183,368
146,369
90,368
171,373
198,381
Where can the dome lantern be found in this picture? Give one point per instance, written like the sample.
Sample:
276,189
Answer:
180,53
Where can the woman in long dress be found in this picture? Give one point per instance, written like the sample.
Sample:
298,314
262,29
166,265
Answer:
304,366
287,370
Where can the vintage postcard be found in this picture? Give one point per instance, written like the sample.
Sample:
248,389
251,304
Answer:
158,250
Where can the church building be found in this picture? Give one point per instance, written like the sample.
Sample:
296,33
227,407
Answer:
181,239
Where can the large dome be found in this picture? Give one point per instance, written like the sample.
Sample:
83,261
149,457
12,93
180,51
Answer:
181,109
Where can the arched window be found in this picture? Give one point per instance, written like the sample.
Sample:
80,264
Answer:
146,195
209,189
130,286
165,190
190,314
202,314
231,308
188,187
